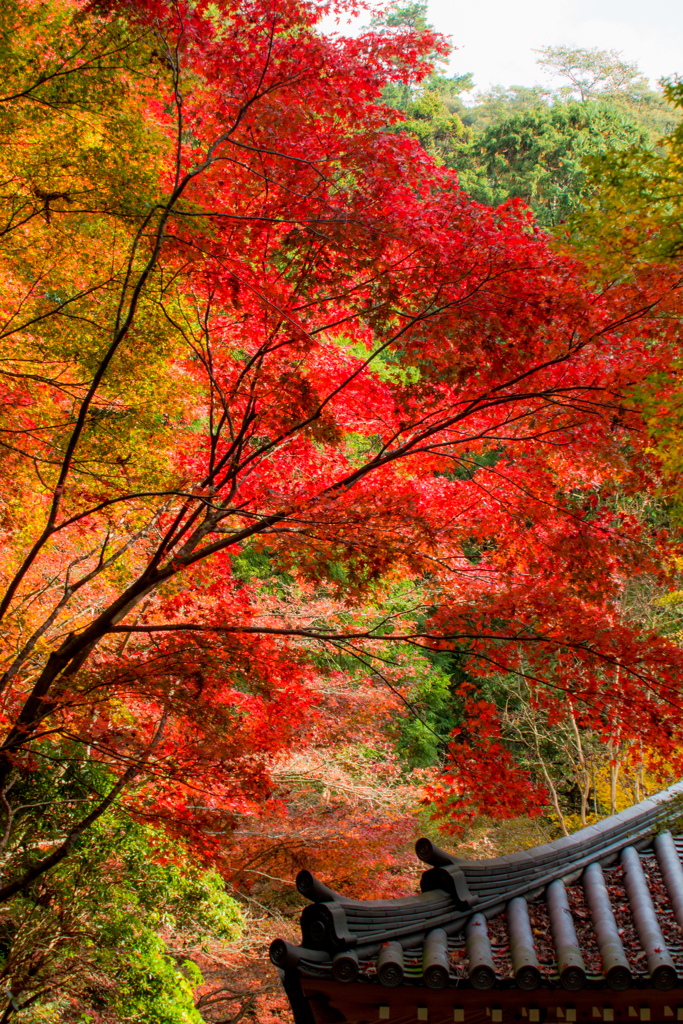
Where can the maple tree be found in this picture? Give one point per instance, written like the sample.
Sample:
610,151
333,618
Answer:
630,231
273,386
637,204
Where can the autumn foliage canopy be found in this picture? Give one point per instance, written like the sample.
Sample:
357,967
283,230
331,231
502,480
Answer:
277,398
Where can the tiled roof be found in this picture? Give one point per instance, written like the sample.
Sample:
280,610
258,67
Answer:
600,909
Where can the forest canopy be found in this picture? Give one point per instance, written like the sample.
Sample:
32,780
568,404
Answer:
532,143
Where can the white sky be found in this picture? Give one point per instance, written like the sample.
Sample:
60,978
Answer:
496,37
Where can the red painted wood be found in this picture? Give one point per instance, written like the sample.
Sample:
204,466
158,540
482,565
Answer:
332,1003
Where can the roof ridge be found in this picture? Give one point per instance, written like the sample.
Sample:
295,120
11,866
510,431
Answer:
648,813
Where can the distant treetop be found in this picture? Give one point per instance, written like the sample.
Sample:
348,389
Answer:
591,71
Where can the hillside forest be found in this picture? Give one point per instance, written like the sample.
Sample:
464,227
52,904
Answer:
341,498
